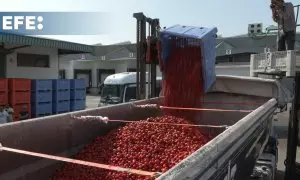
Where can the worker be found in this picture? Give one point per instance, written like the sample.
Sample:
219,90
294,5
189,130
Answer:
284,15
24,114
10,112
4,117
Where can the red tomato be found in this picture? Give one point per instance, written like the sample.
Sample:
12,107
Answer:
152,147
141,146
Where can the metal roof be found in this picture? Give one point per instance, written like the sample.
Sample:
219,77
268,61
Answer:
105,49
246,44
63,46
237,44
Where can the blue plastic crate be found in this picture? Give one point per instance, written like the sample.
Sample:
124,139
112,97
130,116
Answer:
41,85
61,106
41,96
76,105
41,109
61,84
78,84
78,94
62,95
207,37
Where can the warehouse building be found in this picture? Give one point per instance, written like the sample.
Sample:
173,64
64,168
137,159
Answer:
110,60
39,92
233,55
34,58
96,68
239,48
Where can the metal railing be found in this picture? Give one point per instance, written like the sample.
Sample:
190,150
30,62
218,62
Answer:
297,14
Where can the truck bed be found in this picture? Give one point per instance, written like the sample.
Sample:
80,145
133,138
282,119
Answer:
237,146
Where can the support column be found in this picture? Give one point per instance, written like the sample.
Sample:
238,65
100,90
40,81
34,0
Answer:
141,58
292,171
3,65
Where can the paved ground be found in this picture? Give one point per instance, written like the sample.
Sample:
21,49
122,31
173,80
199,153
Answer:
281,126
92,101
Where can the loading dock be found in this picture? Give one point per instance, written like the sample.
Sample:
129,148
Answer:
33,57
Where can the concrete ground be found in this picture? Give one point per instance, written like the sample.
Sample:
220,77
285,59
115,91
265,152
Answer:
92,101
281,129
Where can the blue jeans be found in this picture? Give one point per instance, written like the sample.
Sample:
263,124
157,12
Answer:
286,41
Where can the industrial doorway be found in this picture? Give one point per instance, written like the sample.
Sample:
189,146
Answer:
85,74
102,75
62,74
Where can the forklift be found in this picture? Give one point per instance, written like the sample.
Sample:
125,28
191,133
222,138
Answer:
147,55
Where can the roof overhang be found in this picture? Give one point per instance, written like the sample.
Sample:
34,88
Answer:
63,47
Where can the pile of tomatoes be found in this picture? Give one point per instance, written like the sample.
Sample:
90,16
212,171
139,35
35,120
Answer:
142,146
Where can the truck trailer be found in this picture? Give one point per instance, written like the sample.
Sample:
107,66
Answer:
247,142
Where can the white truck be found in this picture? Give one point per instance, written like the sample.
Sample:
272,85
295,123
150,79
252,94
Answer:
121,88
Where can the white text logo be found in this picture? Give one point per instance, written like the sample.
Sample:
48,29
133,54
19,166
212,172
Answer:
22,22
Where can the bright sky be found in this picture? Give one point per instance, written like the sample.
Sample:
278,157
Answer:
231,17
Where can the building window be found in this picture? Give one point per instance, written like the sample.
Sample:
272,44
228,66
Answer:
62,74
102,58
130,93
230,58
131,70
33,60
131,55
228,51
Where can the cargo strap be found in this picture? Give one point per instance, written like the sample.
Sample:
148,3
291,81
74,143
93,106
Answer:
205,109
234,103
80,162
99,118
155,106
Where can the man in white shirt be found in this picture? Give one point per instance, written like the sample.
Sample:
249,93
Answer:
284,15
3,115
10,112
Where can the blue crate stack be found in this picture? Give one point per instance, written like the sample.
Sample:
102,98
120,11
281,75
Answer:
61,96
41,97
78,94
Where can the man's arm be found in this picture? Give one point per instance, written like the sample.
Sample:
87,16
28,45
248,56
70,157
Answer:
289,10
278,15
10,111
275,7
275,15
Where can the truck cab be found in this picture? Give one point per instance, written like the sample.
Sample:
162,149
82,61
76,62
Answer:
121,88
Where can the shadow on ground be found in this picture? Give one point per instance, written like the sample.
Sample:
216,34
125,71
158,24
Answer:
281,131
279,175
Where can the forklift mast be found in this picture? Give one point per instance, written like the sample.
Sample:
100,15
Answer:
146,55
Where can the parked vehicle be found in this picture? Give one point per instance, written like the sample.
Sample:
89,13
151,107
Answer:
121,88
